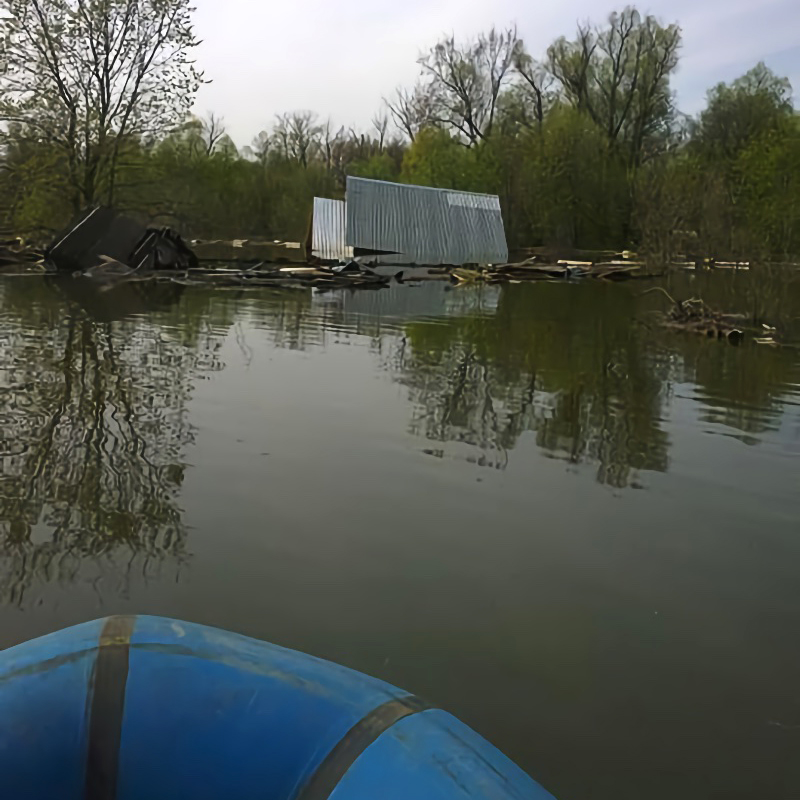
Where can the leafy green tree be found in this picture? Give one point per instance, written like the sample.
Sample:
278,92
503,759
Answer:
86,76
769,171
381,167
580,183
438,159
33,185
754,104
742,137
665,192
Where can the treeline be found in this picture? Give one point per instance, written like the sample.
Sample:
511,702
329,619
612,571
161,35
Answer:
585,147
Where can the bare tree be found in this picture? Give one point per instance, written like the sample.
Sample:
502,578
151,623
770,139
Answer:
329,140
298,136
411,110
213,132
537,81
260,148
464,82
89,76
380,122
570,64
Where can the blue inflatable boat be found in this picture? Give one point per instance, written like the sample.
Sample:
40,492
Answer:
145,708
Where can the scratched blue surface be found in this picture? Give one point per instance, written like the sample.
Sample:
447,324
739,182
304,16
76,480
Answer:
433,755
210,715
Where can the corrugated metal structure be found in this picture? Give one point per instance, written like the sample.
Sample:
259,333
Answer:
328,230
423,225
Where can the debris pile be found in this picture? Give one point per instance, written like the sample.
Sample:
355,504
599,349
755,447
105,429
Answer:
18,258
110,248
694,316
104,242
537,268
350,275
249,251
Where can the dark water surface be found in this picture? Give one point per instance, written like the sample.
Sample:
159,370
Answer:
530,505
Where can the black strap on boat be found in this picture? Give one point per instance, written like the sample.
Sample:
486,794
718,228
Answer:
331,771
106,707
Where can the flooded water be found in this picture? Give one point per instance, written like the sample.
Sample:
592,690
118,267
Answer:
528,504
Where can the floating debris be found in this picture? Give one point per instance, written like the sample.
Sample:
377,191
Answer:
111,249
277,276
17,257
694,316
249,251
535,268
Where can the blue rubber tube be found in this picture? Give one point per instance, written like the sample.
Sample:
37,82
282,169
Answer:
147,708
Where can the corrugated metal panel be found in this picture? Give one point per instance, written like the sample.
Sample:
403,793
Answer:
328,230
425,225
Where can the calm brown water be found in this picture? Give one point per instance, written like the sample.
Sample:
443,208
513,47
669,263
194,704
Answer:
575,531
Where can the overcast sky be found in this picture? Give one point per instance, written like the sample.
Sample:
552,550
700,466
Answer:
340,57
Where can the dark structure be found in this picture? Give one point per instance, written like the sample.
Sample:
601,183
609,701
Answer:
101,235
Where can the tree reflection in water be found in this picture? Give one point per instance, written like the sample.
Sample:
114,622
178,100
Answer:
581,369
94,425
745,388
566,364
93,436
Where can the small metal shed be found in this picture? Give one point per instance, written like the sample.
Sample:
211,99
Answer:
425,226
394,223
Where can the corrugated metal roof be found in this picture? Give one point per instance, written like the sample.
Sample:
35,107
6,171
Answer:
328,230
427,226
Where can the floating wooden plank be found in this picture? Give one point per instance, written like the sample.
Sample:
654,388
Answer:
247,250
299,270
